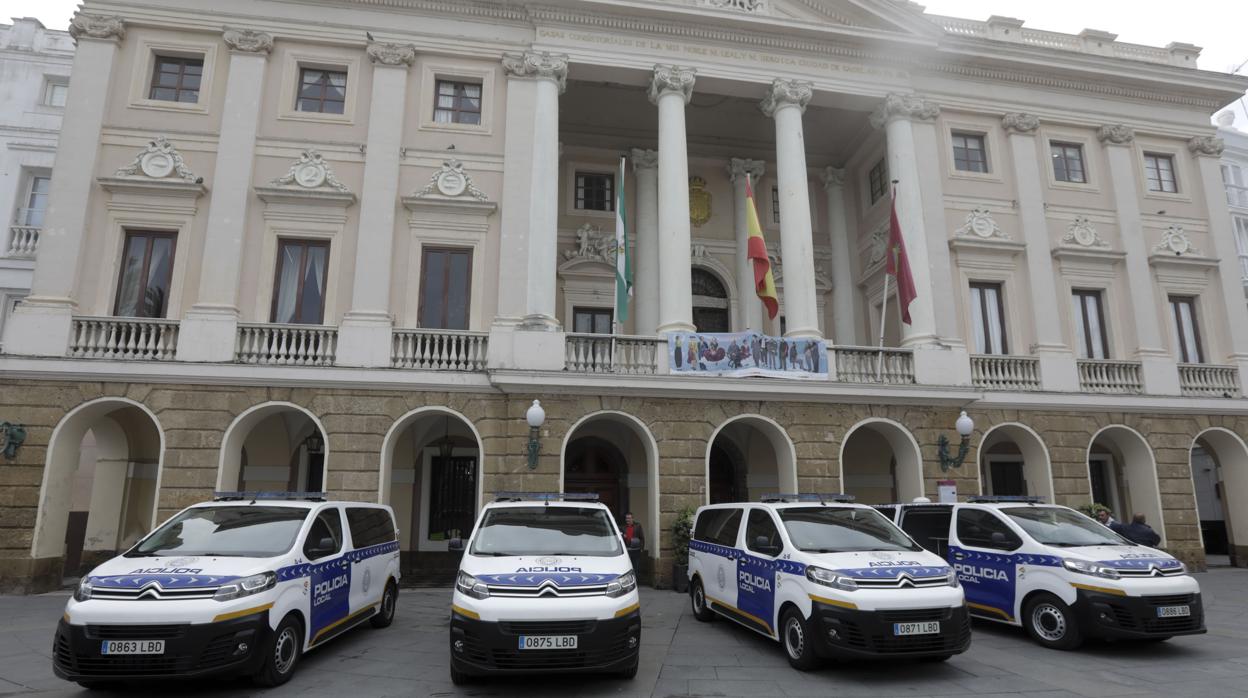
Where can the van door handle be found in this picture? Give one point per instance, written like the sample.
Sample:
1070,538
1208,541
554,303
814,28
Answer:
959,556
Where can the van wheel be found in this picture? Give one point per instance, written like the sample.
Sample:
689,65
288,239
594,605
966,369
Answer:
282,654
798,637
631,672
460,678
385,615
1051,623
697,598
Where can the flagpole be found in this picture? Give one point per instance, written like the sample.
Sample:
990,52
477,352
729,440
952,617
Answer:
879,362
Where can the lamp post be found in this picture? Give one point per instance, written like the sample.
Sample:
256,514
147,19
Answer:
536,416
965,426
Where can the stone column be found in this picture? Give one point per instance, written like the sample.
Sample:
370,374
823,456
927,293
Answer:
526,333
1207,150
1058,371
365,335
1158,369
207,333
671,89
844,304
646,248
748,304
41,324
785,102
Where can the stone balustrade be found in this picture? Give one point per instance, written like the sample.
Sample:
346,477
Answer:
23,242
439,350
286,345
1005,372
1207,380
1106,376
620,354
873,365
123,338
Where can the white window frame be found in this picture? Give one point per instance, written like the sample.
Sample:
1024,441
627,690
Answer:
141,80
1239,225
50,82
1159,159
28,184
1049,136
293,64
1178,161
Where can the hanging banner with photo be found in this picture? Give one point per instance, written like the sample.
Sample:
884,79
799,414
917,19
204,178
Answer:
746,354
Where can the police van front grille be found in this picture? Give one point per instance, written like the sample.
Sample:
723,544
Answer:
1171,600
545,659
152,593
135,632
547,591
552,627
903,583
1153,572
917,615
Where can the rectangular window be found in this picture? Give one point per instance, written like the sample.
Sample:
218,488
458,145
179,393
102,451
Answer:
1089,316
55,90
592,320
1236,185
775,205
299,287
1186,329
1241,241
176,79
988,317
445,288
322,91
146,270
36,201
877,180
369,526
458,103
1159,170
1068,162
969,154
595,191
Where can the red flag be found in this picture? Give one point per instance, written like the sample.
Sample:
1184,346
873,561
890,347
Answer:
898,264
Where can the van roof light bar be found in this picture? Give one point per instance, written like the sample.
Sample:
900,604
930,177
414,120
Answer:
255,495
1004,499
545,497
821,497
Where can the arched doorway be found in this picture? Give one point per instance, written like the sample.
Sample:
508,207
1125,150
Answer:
1122,475
1013,461
431,476
100,484
711,306
275,446
747,457
1219,463
881,463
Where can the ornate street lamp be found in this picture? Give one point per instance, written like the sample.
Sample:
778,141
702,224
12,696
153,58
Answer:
536,416
965,426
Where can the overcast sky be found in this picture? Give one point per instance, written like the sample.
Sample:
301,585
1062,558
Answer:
1217,25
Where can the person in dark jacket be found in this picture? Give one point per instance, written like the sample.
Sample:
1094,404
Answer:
1138,532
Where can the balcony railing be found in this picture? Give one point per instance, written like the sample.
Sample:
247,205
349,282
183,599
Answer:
286,345
864,365
604,353
439,350
1005,372
23,242
125,339
1208,380
1103,376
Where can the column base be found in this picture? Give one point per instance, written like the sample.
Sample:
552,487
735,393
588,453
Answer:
513,348
540,323
936,365
675,327
365,340
1059,372
1160,374
208,334
39,327
806,333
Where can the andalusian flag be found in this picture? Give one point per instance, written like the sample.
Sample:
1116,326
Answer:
623,261
756,251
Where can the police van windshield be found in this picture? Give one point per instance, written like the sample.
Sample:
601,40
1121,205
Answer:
225,531
842,530
546,530
1062,527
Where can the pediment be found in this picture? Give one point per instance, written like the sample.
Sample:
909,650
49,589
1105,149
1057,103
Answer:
869,15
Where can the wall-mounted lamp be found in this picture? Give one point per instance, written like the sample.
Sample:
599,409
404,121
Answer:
11,438
536,416
965,426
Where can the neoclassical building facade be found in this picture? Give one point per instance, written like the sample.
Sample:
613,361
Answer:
344,248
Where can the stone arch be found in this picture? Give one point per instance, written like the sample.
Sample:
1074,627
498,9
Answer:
1230,458
1037,468
784,454
230,464
904,471
1130,472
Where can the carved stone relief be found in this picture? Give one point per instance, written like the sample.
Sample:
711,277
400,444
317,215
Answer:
980,224
160,159
311,171
452,181
1082,233
1175,241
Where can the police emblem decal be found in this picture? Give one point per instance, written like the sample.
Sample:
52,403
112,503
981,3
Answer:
368,579
548,561
719,578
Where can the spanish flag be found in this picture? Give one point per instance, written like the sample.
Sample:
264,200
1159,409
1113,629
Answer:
756,250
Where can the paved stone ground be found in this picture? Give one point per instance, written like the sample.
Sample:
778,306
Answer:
682,657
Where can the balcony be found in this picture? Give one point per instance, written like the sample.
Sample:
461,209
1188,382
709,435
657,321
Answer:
286,345
1205,380
1105,376
873,365
123,339
23,242
1017,373
439,350
619,354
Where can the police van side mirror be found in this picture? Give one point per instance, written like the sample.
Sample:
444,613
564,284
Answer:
455,545
763,545
1002,541
323,547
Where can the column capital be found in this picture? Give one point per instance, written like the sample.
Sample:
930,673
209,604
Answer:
1020,122
1209,146
382,53
1116,134
91,26
832,177
644,159
786,93
904,106
672,78
740,167
243,40
540,65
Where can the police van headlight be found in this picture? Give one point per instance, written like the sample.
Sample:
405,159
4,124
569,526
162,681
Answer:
622,585
469,585
1090,568
952,579
83,592
828,578
246,586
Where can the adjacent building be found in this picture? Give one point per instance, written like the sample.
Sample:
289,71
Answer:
306,246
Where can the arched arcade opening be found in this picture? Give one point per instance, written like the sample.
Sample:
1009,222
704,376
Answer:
1219,464
274,446
1122,475
1013,461
747,457
881,463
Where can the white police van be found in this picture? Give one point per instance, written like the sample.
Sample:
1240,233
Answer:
825,577
545,585
1056,572
242,585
